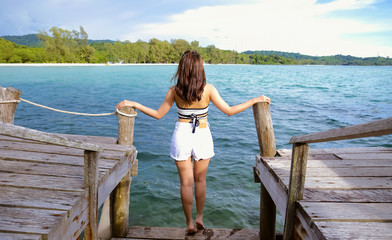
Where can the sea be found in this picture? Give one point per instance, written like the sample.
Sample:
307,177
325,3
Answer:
305,99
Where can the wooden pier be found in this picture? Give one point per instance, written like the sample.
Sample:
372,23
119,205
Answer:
331,193
43,192
51,185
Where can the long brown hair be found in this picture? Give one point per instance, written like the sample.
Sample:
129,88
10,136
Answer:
190,76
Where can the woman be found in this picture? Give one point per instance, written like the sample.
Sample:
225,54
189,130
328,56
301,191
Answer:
192,137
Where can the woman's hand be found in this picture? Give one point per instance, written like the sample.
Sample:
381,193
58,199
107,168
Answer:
263,98
126,103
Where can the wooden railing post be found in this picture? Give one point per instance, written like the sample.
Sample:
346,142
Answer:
266,137
265,129
296,186
91,182
7,111
120,196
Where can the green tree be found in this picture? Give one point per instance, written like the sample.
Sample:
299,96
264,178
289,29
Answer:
214,54
179,47
6,50
65,46
142,49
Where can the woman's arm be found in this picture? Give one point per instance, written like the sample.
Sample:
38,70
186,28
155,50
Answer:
217,100
157,114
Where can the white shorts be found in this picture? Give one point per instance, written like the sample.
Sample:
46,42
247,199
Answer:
184,143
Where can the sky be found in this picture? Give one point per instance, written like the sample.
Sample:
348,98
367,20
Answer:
361,28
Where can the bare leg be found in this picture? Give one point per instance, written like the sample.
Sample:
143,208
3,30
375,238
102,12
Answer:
200,173
185,170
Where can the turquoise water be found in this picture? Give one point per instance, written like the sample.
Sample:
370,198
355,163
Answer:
305,99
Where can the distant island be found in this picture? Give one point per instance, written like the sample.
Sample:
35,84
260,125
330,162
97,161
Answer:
64,46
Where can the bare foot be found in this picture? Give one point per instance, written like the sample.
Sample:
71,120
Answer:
200,225
191,228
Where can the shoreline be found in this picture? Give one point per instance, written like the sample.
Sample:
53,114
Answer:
158,64
78,64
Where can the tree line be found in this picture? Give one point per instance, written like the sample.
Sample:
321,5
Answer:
64,46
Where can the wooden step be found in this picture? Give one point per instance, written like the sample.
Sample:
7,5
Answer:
174,233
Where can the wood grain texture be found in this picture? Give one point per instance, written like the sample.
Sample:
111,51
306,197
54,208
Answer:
91,183
120,196
173,233
267,145
371,129
31,134
265,129
7,111
296,186
19,236
42,193
353,190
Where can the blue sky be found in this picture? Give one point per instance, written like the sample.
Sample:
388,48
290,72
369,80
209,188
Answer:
315,27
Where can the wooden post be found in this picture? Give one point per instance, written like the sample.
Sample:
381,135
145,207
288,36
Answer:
266,137
296,186
265,129
91,182
7,111
120,196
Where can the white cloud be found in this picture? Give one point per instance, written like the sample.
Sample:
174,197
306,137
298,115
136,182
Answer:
294,26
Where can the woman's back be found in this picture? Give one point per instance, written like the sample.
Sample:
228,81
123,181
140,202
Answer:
203,103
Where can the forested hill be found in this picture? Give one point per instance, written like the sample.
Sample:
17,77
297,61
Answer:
30,40
296,56
326,60
64,46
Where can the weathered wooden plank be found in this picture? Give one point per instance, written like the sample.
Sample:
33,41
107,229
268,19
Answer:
91,183
326,151
48,169
17,236
44,148
31,134
139,232
358,150
107,143
334,163
54,158
91,139
111,180
371,129
348,195
355,230
366,156
352,212
275,187
35,168
41,157
345,182
296,186
41,182
286,153
33,198
28,220
305,231
337,171
74,223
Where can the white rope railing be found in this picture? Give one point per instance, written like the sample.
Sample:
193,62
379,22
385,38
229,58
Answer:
69,112
10,101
